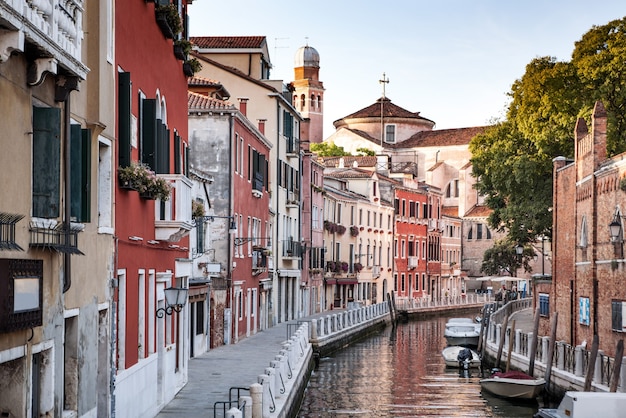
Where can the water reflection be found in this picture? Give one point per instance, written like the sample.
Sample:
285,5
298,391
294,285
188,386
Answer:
400,373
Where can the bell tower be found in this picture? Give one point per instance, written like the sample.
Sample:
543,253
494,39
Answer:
308,93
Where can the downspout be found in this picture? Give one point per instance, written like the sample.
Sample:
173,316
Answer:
67,257
231,208
277,315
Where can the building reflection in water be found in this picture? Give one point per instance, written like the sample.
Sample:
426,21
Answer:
400,373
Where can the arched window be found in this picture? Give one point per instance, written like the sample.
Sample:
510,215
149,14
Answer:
319,102
302,102
313,102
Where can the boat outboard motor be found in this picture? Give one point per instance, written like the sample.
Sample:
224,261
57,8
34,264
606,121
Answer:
465,357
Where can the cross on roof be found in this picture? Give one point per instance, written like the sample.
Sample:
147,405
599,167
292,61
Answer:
384,81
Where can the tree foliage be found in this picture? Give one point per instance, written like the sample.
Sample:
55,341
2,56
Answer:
365,151
512,160
503,259
328,149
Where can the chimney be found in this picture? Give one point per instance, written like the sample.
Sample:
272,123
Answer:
243,105
262,126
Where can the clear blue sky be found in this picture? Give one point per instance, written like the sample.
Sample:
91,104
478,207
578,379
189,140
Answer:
451,60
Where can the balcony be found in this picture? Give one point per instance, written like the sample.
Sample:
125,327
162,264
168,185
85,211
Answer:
172,219
48,234
291,249
375,271
292,200
259,262
293,147
412,262
54,26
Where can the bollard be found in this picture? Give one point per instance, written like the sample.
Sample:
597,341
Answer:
578,356
256,395
560,350
267,397
233,413
246,401
597,373
270,372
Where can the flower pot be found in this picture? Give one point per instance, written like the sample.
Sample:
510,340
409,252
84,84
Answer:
179,52
126,185
187,70
161,19
147,196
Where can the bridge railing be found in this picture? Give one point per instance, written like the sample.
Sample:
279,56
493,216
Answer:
404,303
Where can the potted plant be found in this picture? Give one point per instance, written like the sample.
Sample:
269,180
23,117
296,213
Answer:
354,231
340,229
191,66
181,48
168,19
197,209
358,267
139,177
344,267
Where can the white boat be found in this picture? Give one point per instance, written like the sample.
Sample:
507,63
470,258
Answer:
587,404
451,357
513,385
462,331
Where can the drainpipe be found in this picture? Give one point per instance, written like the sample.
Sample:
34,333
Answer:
231,208
67,278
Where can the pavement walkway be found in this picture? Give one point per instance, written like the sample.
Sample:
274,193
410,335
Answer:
213,373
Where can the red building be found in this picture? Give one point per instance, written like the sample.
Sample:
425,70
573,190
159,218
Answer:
153,206
411,242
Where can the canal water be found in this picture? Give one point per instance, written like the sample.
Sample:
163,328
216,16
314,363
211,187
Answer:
401,373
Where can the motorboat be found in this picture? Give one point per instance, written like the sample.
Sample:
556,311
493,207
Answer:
462,331
587,404
513,385
461,357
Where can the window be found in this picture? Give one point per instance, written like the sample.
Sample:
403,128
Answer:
583,311
402,284
544,304
617,320
390,133
124,128
22,282
199,317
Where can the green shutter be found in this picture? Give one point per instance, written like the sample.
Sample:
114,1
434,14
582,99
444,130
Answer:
80,174
177,162
149,133
124,111
186,162
46,161
163,149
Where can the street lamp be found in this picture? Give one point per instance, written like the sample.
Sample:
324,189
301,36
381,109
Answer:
175,299
615,229
519,250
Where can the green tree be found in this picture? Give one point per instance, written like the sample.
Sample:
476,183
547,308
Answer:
512,161
502,258
328,149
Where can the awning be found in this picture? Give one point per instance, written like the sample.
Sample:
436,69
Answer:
347,281
500,279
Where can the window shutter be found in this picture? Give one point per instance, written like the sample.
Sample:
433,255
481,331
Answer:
124,111
177,162
266,174
162,149
80,174
616,315
149,133
46,161
186,162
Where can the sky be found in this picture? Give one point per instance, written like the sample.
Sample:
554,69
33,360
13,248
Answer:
454,61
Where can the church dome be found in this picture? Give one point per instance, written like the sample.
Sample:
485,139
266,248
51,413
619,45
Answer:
307,56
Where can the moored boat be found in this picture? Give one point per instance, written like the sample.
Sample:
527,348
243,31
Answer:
462,331
513,385
587,404
461,357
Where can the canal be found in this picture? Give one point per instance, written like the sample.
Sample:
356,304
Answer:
400,373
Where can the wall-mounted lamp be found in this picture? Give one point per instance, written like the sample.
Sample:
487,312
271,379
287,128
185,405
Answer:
175,299
232,226
615,229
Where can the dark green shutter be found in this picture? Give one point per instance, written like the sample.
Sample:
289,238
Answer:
163,148
177,162
186,162
46,161
266,175
80,174
124,111
149,133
